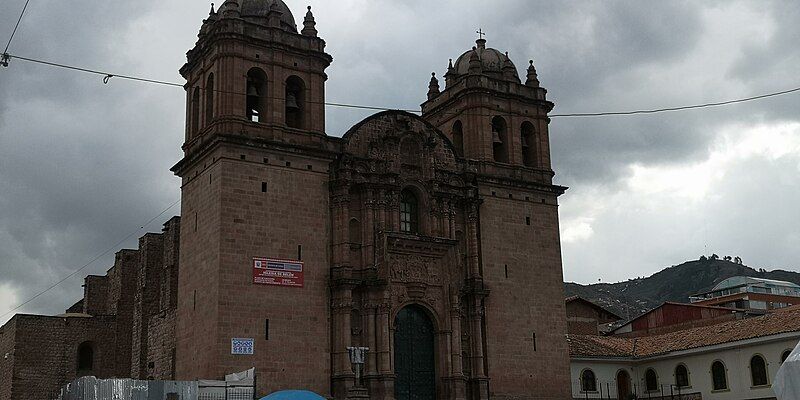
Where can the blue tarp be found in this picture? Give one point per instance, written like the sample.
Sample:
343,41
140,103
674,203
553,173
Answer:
294,395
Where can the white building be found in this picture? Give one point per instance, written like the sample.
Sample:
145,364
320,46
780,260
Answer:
735,360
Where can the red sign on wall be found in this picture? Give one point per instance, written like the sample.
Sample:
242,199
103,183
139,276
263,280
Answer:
270,271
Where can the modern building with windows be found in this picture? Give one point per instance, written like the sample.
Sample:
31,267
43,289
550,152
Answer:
752,294
734,360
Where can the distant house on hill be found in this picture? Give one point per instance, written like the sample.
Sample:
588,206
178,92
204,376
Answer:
587,318
671,317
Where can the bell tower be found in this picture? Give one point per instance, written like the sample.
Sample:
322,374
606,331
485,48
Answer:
500,127
252,72
489,114
255,187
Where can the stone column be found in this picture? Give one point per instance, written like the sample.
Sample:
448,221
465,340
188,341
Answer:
394,210
384,387
368,235
340,314
372,363
381,210
472,241
384,341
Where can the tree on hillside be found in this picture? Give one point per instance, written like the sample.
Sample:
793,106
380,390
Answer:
714,257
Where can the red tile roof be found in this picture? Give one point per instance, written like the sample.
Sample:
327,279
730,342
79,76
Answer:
749,328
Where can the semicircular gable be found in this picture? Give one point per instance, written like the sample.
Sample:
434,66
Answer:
385,134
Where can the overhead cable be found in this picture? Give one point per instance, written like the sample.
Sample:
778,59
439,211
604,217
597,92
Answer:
75,272
107,76
4,60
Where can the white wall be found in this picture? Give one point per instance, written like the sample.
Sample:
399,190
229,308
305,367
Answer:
735,356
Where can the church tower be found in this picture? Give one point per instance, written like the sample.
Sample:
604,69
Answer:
254,188
500,126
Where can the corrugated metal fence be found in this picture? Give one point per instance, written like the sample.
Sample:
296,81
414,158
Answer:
91,388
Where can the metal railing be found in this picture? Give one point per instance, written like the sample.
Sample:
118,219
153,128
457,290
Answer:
609,390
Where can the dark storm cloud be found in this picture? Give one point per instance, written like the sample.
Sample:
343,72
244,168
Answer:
82,164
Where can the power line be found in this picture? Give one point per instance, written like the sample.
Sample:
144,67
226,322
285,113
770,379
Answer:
5,52
73,273
680,108
107,76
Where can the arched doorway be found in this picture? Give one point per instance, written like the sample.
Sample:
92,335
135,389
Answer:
413,355
623,385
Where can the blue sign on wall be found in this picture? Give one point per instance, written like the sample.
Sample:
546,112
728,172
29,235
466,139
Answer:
240,346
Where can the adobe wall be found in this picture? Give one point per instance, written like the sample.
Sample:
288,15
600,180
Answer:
46,351
582,319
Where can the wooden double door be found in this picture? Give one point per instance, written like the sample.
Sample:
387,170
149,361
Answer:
414,355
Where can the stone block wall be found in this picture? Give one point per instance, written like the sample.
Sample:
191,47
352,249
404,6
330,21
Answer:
39,354
525,312
7,341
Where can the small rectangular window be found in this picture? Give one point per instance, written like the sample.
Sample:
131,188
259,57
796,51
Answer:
266,329
243,157
263,187
310,167
527,221
506,267
288,163
266,160
299,252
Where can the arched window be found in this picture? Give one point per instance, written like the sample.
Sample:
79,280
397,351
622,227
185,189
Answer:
719,376
758,371
195,115
85,356
458,138
355,231
295,102
588,381
209,99
651,380
409,210
256,95
681,376
785,355
529,142
500,139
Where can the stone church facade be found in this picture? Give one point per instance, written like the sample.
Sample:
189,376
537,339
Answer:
432,240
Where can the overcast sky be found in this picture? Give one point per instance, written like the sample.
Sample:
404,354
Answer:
83,164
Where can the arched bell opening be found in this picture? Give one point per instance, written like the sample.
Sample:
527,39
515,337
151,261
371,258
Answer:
209,99
528,144
458,138
295,102
256,95
500,139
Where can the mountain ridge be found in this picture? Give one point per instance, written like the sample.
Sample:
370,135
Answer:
633,297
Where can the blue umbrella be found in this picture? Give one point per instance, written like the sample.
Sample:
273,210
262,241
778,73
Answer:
294,395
